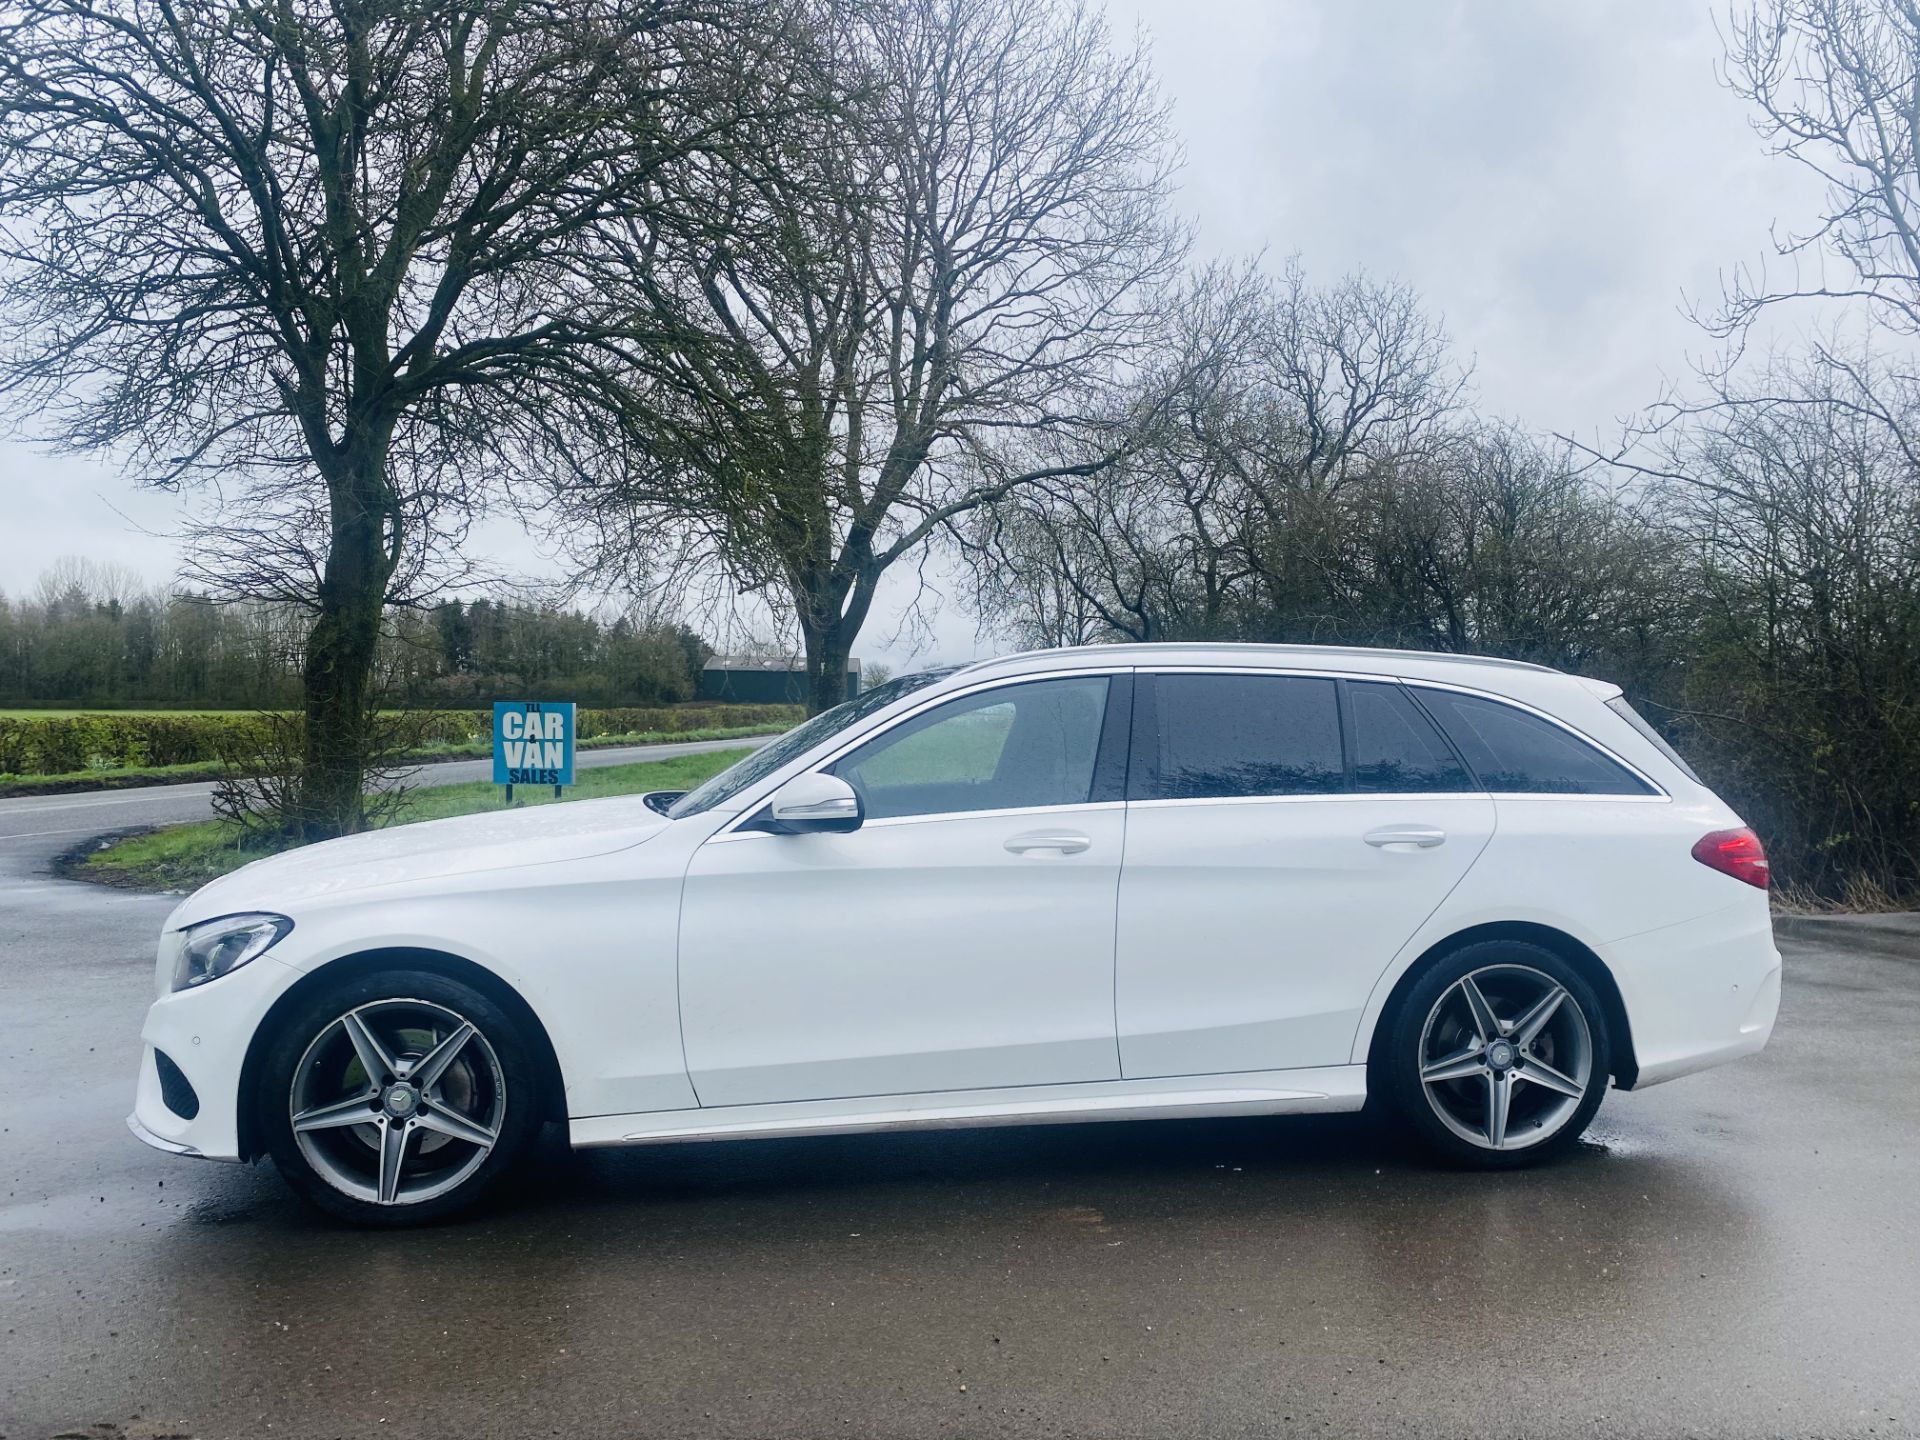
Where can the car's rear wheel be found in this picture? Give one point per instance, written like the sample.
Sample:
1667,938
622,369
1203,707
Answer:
398,1097
1498,1055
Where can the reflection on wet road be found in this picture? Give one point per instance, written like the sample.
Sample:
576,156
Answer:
1738,1253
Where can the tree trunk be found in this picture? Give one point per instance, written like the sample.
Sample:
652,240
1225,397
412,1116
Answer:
827,650
341,650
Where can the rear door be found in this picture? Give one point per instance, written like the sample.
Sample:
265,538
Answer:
1286,834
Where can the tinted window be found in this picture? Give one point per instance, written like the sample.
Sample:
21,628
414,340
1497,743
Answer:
1225,735
1626,712
1395,747
1514,752
1004,749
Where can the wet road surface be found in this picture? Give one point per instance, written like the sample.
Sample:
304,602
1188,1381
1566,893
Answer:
1737,1254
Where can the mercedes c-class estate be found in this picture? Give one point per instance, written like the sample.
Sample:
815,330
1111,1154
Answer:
1092,884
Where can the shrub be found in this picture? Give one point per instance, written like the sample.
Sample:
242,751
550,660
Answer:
62,744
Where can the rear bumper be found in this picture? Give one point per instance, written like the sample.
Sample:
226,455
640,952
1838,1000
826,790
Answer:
1699,993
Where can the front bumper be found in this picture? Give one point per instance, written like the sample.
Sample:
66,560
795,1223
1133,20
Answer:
205,1031
147,1137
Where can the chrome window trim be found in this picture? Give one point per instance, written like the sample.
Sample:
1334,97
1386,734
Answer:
886,822
1399,797
732,830
1316,797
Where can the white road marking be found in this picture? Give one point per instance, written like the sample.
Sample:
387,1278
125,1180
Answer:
164,792
34,834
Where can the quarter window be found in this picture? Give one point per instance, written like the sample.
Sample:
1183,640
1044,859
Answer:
1237,735
1016,747
1396,750
1514,752
1653,737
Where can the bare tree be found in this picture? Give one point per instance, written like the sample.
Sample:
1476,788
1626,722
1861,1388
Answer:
352,260
1229,513
922,308
1835,87
1799,494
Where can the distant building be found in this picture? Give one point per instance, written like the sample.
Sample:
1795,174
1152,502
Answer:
763,679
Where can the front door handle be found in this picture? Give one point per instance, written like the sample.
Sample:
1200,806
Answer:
1064,842
1420,837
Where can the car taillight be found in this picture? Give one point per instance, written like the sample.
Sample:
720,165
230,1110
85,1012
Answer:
1737,853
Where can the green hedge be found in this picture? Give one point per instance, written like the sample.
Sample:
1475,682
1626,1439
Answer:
57,745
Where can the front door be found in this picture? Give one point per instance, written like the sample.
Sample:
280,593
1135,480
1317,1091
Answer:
961,939
1286,836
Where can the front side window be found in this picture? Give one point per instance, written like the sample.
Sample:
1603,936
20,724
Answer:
1011,748
1517,753
797,741
1227,736
1396,750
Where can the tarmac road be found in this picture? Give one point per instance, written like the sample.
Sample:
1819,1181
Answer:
1738,1253
64,820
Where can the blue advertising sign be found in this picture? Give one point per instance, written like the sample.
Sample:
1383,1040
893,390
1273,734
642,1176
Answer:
532,742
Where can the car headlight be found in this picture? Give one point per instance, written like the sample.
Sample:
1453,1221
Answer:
218,947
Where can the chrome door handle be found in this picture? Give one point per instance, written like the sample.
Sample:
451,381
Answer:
1066,842
1423,837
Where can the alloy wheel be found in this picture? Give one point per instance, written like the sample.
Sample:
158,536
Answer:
397,1101
1506,1057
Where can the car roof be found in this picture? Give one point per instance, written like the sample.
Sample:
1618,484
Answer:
1516,678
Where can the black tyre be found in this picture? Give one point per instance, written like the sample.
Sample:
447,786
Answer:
399,1097
1497,1056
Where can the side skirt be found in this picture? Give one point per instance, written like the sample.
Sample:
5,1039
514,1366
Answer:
1264,1092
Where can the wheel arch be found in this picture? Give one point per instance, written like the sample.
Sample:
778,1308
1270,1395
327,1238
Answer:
368,962
1623,1063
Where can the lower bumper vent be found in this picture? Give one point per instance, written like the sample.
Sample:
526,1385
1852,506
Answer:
175,1089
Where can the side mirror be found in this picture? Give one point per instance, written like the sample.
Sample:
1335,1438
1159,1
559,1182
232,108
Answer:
812,804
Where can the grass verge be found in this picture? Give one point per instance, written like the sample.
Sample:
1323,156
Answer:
134,777
181,857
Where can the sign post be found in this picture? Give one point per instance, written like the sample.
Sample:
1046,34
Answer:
532,744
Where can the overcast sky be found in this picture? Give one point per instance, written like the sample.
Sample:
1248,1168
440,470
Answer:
1553,179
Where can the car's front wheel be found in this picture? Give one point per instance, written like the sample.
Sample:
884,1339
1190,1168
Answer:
1498,1055
398,1097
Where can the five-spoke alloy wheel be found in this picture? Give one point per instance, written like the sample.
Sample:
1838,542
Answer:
1498,1054
398,1097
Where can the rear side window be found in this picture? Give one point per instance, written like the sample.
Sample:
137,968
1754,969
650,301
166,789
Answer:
1653,737
1517,753
1223,736
1396,750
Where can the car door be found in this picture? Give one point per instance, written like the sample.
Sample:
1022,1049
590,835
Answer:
1286,835
961,938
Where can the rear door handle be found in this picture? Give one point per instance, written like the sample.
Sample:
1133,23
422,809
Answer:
1421,837
1065,842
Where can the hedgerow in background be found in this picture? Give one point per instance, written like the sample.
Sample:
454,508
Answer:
59,745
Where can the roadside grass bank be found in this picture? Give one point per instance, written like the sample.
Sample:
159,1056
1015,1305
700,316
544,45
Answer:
133,777
182,857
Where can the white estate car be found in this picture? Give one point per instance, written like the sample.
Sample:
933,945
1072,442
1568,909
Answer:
1086,884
